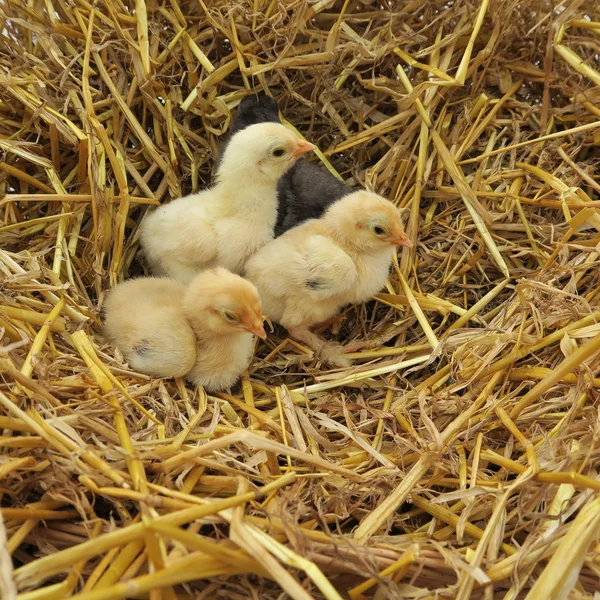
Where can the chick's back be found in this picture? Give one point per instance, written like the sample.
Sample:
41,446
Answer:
144,318
175,233
305,192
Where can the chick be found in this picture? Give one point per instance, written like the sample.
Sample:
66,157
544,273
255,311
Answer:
254,109
306,190
203,331
224,225
305,276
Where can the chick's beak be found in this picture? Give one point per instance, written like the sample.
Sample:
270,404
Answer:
401,240
258,329
302,147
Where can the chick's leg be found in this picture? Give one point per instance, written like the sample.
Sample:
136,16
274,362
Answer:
329,353
327,322
303,334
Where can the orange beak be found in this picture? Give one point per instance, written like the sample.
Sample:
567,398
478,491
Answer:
401,240
259,330
302,147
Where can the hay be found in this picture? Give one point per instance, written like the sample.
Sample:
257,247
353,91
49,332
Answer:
459,457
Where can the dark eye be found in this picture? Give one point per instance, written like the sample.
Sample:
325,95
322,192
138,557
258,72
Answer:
278,152
230,317
377,230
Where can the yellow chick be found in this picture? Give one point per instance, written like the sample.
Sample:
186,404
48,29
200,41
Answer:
305,276
224,225
203,331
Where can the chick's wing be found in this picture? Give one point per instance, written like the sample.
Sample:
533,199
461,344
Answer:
327,270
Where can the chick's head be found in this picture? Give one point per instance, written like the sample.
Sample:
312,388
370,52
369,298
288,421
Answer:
367,221
260,107
268,149
254,109
223,303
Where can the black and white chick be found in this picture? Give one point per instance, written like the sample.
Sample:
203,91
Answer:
306,190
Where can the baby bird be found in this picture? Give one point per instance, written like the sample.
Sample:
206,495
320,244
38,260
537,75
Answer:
224,225
305,276
254,109
203,331
306,190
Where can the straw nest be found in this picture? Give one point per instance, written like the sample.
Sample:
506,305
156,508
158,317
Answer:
459,457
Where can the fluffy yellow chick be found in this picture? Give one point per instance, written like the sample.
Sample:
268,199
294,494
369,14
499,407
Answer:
224,225
305,276
203,331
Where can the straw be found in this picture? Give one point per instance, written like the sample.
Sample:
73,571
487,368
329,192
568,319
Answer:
457,457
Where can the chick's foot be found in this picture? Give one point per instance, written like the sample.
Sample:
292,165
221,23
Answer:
356,347
329,353
332,355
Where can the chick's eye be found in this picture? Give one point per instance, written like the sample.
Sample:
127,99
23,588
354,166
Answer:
278,152
230,317
377,230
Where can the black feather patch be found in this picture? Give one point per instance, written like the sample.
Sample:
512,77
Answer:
305,192
252,110
143,348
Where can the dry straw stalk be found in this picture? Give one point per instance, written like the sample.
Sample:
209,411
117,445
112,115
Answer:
458,458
